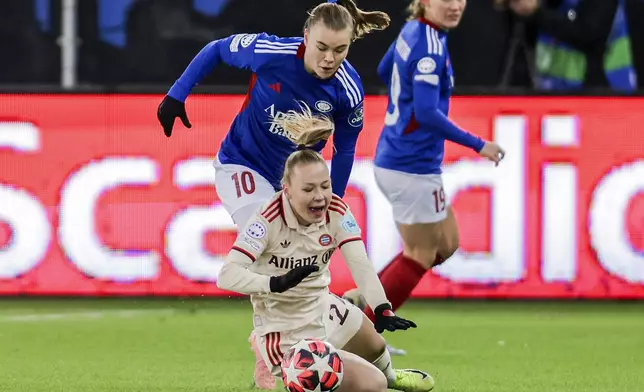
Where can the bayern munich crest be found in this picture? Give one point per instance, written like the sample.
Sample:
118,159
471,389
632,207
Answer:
325,240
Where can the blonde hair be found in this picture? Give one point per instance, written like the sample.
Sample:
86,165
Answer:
305,130
416,10
345,13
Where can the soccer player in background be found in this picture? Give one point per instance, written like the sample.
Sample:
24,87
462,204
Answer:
410,150
286,73
281,259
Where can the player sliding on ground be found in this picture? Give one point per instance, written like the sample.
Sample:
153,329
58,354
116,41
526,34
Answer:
311,69
281,259
410,151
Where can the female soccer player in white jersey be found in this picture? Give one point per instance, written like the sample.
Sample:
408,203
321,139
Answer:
281,259
410,151
286,72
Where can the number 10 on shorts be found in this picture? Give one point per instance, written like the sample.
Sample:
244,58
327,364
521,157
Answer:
244,182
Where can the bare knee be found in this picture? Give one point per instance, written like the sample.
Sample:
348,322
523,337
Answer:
376,348
376,383
360,375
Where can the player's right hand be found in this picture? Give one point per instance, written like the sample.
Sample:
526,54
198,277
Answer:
292,278
387,320
168,110
493,152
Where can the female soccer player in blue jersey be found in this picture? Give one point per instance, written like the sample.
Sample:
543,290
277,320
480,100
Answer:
286,73
410,151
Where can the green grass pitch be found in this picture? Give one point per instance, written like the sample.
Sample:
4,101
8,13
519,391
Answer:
195,345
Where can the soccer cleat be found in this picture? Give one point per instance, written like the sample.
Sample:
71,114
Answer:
412,380
263,379
354,297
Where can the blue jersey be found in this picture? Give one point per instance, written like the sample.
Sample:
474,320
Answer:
419,78
280,83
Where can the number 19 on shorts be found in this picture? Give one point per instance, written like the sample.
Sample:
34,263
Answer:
439,199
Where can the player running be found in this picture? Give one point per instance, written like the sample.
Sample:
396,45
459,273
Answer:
281,259
410,151
286,72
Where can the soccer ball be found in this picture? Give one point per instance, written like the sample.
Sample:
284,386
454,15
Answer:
312,365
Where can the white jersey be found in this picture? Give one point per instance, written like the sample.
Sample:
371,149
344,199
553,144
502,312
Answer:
273,243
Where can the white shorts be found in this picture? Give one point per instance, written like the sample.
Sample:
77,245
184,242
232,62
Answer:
241,190
337,326
415,198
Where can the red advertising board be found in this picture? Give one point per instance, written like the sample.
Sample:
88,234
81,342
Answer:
95,200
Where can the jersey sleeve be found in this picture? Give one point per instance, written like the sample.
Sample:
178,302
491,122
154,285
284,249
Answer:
426,71
348,236
345,226
244,51
249,246
387,63
348,121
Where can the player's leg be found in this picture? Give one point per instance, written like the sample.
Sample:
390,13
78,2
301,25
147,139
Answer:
242,191
360,375
450,238
270,349
447,235
262,376
419,207
347,328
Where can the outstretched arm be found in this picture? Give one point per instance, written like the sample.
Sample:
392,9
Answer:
244,51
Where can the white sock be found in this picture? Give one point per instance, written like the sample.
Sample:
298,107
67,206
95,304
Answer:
384,364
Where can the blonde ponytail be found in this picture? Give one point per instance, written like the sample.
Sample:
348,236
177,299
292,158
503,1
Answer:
305,130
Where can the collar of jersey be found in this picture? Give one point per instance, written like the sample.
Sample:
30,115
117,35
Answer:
291,219
441,31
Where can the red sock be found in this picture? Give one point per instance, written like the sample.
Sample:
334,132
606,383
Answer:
384,270
399,279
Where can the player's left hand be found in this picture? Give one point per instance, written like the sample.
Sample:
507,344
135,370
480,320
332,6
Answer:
493,152
387,320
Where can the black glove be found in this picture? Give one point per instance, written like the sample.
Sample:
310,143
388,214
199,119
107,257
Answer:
169,109
387,320
292,278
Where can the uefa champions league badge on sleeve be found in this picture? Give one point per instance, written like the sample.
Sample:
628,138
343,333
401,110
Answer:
256,230
349,223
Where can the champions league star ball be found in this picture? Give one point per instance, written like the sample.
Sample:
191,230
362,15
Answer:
312,365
